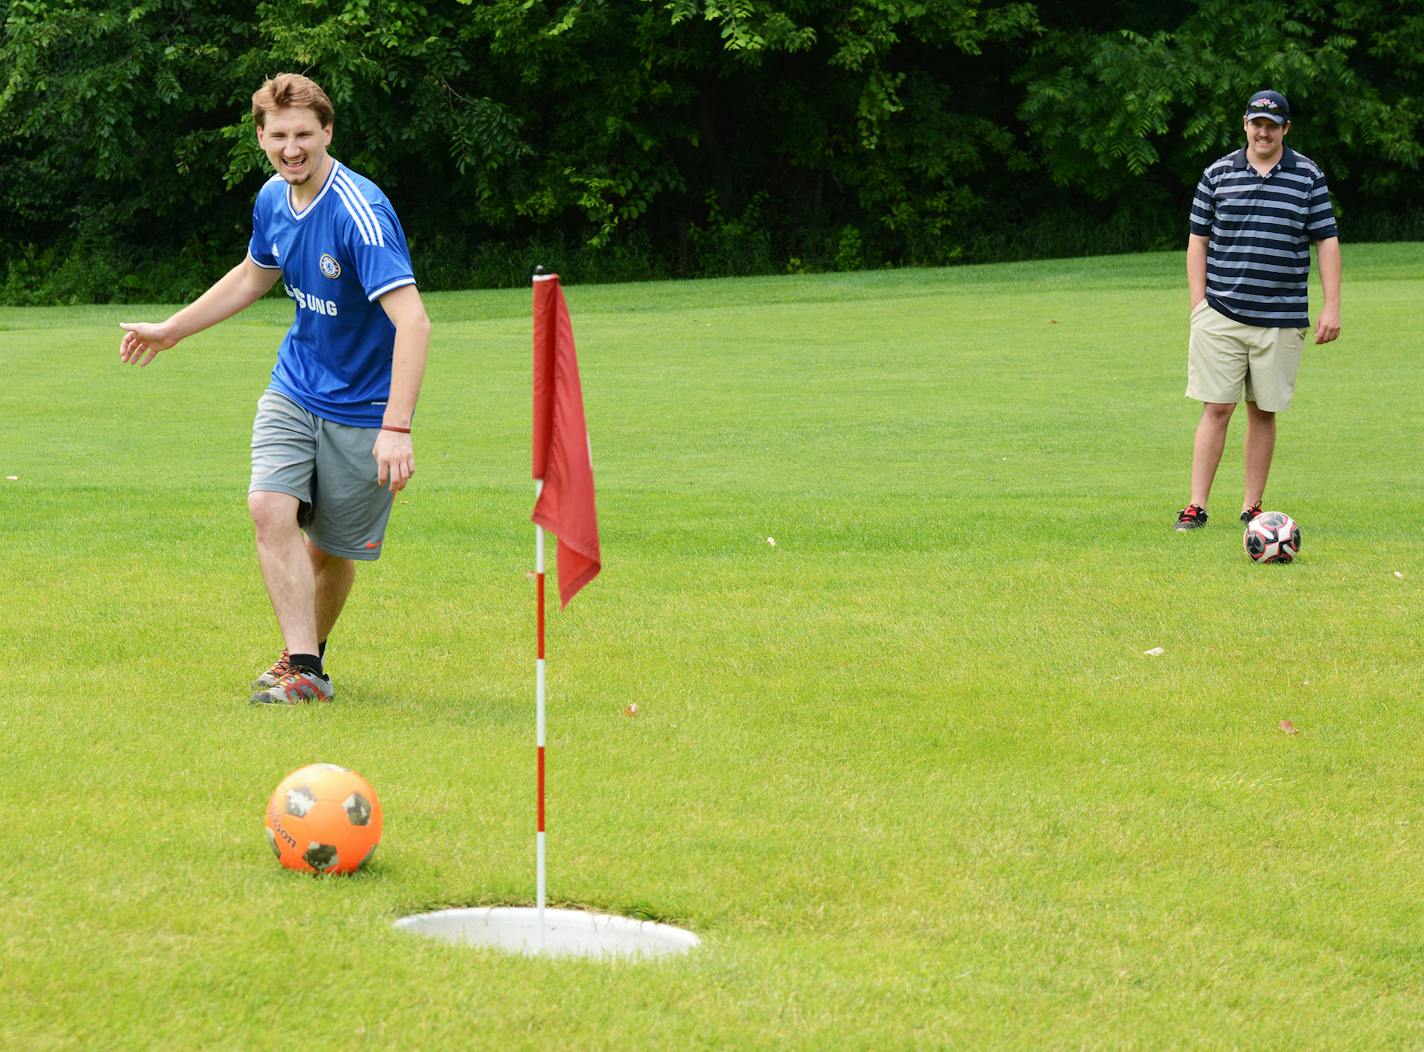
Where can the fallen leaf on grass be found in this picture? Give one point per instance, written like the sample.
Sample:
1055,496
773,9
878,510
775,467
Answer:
13,478
1289,727
1154,652
1396,572
632,709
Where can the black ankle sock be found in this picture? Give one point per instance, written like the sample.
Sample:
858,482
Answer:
306,662
321,649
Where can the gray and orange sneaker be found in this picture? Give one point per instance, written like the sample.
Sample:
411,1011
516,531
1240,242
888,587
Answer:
279,669
1191,517
1250,513
296,687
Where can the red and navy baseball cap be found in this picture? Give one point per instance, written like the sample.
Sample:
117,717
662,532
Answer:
1269,104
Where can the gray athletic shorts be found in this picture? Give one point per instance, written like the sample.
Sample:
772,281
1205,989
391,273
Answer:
326,466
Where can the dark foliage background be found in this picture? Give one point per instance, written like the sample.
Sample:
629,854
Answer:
620,139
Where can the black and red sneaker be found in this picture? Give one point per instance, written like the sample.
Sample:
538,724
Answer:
296,687
1191,517
1250,513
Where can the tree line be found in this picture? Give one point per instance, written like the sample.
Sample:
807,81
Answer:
625,139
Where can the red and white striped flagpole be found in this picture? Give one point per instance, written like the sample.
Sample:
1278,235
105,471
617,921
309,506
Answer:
563,494
539,721
540,874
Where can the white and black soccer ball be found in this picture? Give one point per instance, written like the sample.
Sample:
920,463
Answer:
1272,537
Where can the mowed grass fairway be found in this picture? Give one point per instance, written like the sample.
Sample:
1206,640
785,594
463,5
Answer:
907,771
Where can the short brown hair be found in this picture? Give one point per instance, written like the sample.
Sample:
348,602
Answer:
295,90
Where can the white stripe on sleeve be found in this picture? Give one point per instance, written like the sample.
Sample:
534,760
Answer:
398,283
356,216
354,197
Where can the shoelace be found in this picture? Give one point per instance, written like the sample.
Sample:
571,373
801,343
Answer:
282,667
1190,512
1252,511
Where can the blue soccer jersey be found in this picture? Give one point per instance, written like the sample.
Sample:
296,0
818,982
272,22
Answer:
338,256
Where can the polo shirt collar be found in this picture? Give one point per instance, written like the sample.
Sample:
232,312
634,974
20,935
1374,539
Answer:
1287,161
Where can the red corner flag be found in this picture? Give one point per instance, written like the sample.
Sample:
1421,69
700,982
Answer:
562,455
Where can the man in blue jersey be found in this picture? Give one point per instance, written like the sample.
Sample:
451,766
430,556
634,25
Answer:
331,442
1254,216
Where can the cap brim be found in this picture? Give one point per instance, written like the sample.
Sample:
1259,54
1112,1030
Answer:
1249,115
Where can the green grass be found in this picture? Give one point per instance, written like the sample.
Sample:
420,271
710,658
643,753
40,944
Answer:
907,772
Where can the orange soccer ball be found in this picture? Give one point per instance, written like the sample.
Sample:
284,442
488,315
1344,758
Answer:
324,819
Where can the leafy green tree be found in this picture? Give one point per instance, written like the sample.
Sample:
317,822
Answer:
106,110
637,137
1111,108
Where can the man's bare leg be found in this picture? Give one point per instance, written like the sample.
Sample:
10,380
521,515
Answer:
286,568
1260,446
1207,446
334,578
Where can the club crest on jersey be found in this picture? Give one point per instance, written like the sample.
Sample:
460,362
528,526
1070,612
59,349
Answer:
329,267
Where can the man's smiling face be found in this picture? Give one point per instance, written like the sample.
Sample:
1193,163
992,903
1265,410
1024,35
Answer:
1264,137
295,142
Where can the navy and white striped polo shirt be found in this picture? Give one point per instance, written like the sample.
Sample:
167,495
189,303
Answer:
1260,230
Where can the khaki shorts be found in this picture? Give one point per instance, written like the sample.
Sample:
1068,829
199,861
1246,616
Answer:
329,468
1227,361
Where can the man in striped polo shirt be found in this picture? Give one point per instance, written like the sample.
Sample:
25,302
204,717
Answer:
331,441
1254,216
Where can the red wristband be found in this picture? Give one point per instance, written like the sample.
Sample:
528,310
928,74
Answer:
397,430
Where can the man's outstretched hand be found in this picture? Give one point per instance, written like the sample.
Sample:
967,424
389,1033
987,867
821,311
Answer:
142,341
